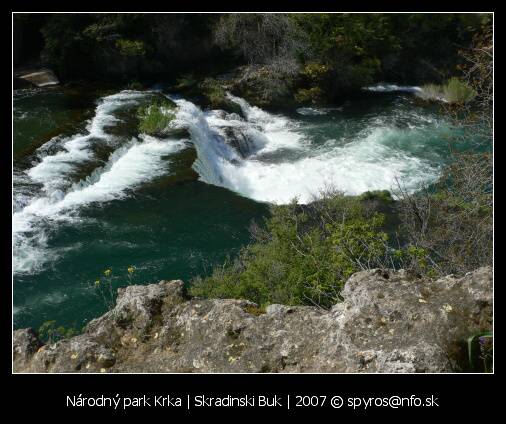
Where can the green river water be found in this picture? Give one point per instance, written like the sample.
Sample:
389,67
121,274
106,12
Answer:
90,193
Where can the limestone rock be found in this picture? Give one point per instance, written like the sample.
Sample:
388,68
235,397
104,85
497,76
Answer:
389,321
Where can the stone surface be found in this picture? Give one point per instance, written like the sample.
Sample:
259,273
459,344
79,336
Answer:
389,321
39,77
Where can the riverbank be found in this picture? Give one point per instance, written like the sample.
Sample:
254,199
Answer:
389,322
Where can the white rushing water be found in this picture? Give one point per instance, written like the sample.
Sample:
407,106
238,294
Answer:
367,163
53,169
392,88
132,164
263,156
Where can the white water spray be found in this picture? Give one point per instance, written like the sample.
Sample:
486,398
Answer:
366,163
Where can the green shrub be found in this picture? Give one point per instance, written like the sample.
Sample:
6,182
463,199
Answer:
456,91
312,95
216,95
214,91
154,118
131,48
50,332
185,82
315,71
303,255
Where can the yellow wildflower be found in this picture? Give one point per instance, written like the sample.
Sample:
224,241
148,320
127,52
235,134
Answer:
97,282
108,272
131,269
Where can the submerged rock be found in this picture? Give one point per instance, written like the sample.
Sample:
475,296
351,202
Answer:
389,321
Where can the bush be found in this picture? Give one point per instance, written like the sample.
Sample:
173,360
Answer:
156,117
381,195
185,82
50,332
303,254
131,47
314,95
456,91
267,85
215,93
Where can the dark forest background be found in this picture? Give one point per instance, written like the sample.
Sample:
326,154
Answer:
313,56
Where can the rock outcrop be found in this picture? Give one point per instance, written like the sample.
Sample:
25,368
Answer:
38,77
388,321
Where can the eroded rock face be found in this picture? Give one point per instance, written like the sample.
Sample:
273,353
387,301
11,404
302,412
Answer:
389,321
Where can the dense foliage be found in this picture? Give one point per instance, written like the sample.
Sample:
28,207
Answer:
309,57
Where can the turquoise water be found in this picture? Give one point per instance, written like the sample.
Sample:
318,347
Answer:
90,193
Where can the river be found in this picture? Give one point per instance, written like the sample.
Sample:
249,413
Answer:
90,193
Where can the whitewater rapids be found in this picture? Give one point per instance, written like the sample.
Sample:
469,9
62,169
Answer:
263,156
129,166
301,170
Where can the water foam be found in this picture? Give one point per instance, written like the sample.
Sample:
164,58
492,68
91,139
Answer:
128,167
313,111
366,163
53,170
392,88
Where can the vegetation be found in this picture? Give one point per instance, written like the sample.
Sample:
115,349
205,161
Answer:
215,95
304,254
480,348
455,92
304,57
104,287
131,48
453,219
328,55
155,117
49,332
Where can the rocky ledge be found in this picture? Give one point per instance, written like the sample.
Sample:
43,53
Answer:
388,321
